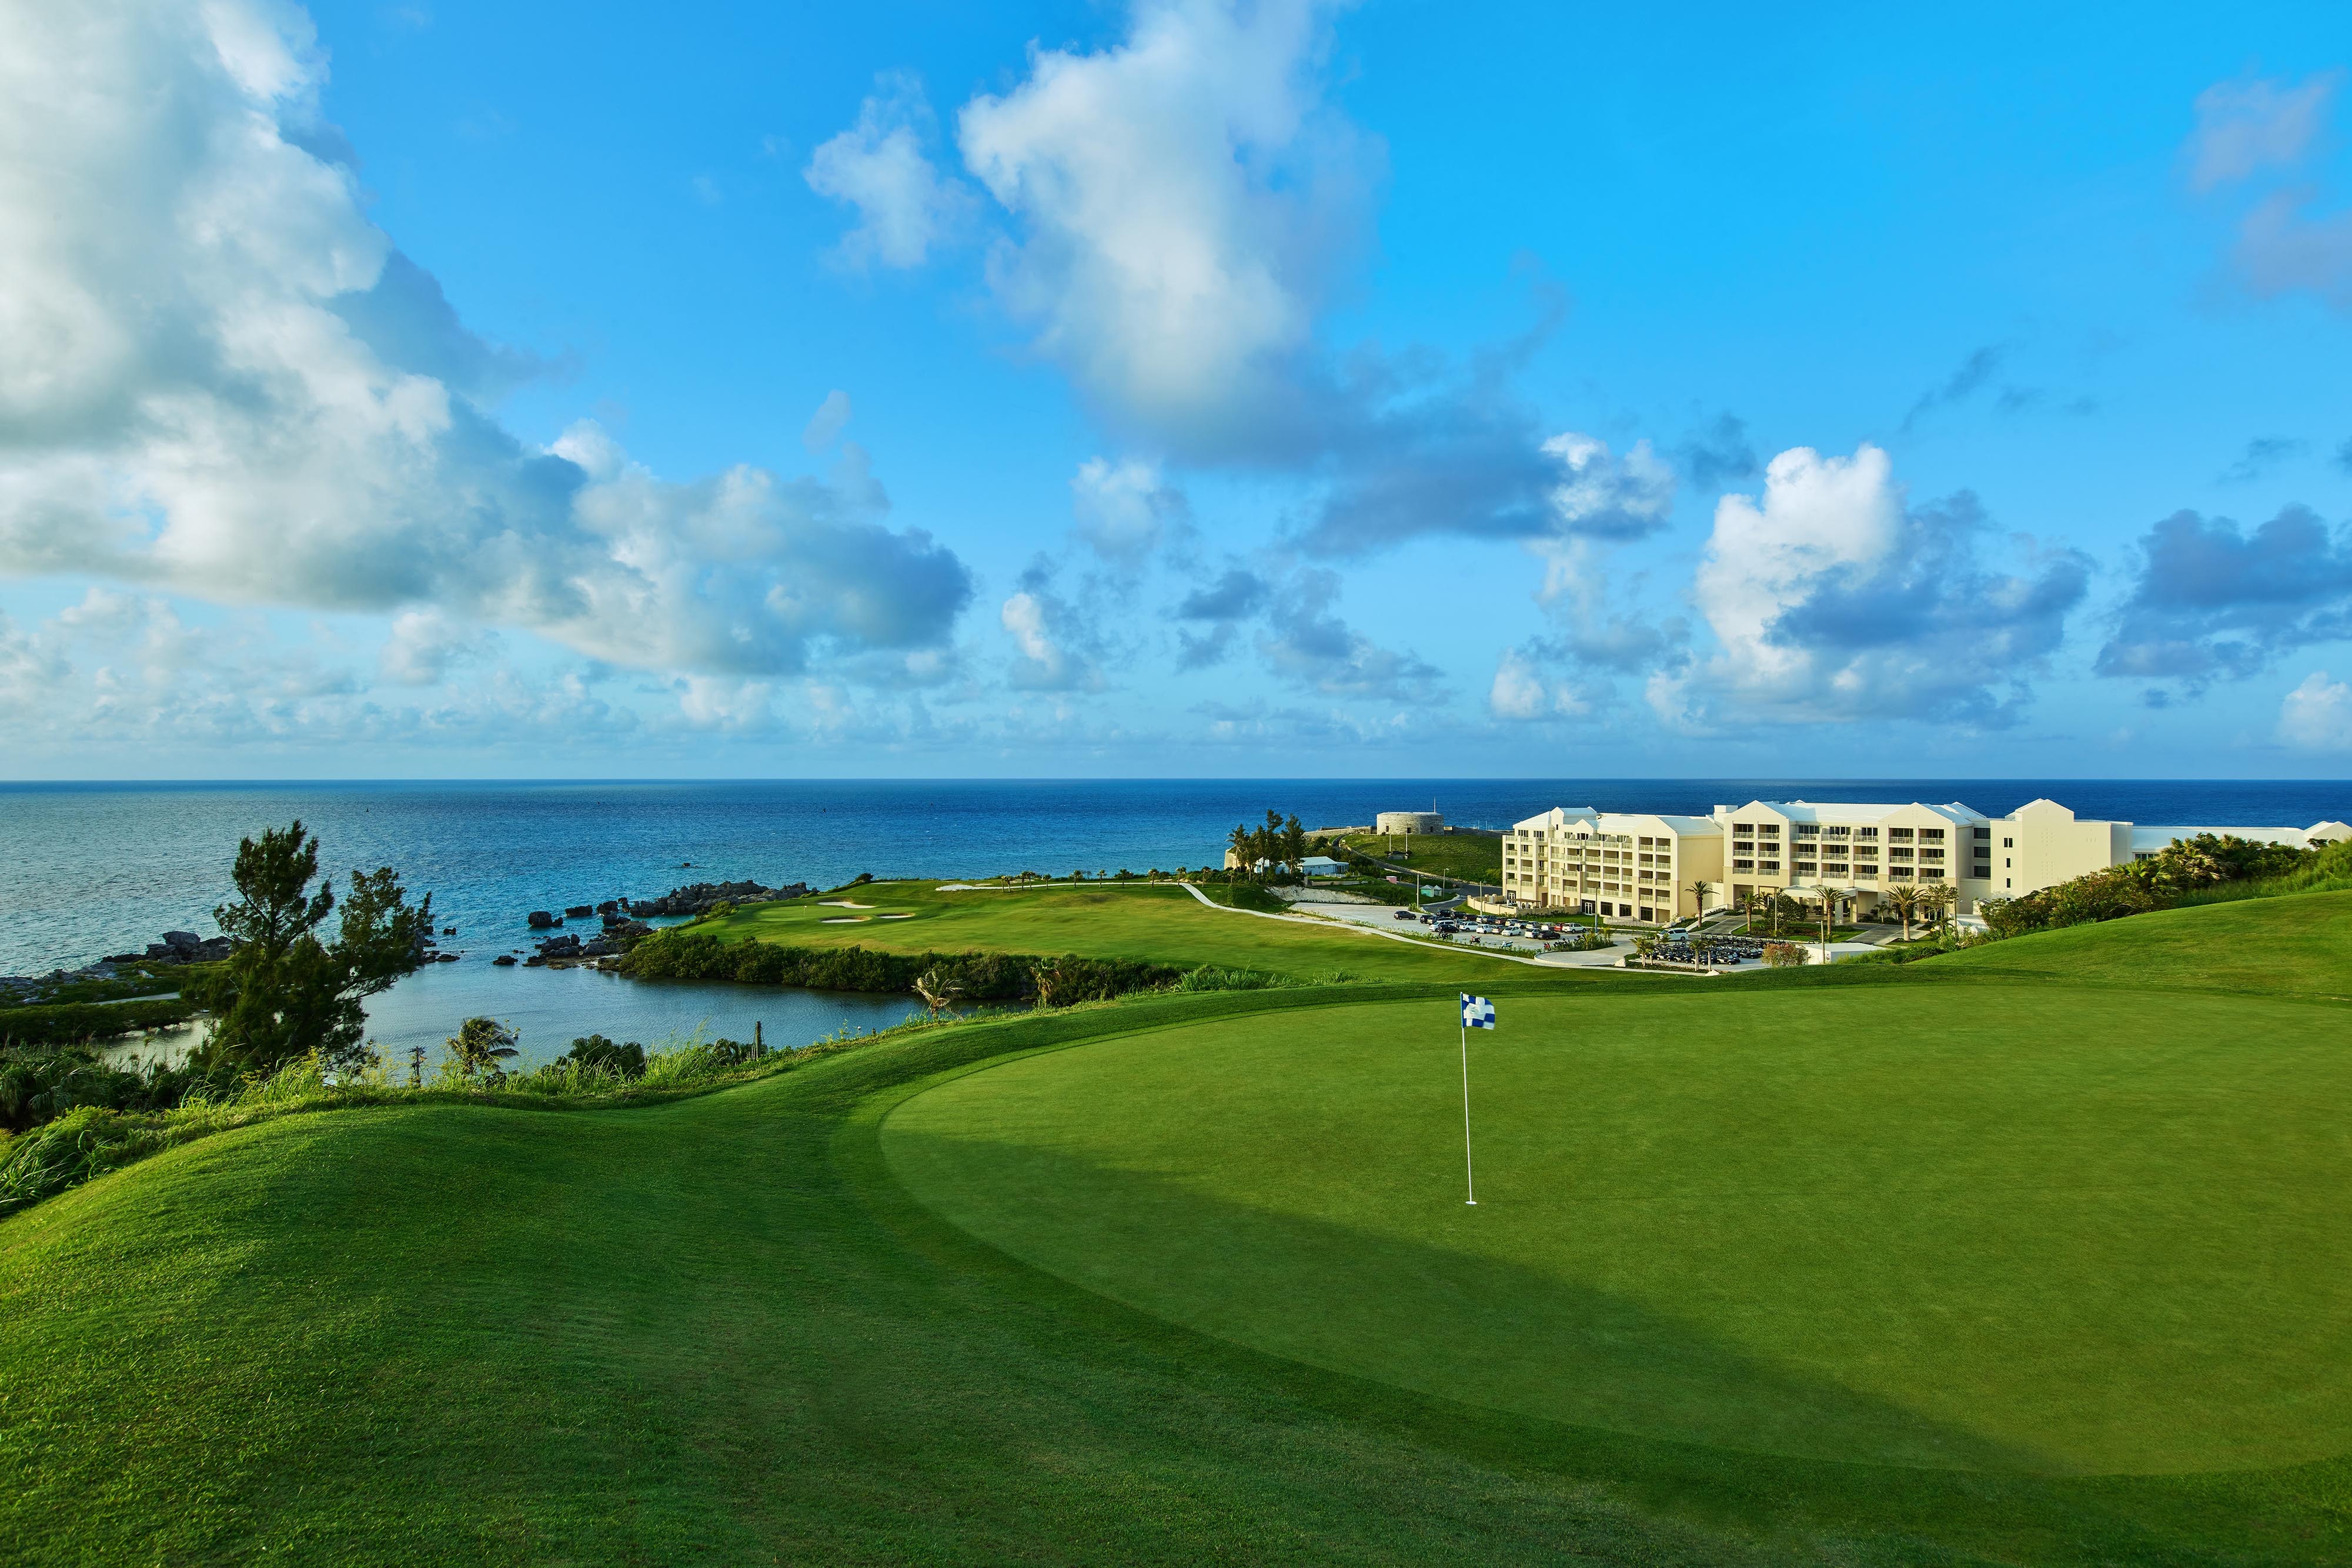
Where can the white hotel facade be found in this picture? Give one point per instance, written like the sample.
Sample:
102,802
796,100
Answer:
1643,867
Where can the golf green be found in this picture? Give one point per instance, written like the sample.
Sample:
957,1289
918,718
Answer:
2007,1225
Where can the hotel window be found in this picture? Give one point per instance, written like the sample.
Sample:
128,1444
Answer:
2008,844
1899,835
1865,832
1807,831
1931,835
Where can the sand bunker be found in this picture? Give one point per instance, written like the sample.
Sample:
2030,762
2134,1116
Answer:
841,903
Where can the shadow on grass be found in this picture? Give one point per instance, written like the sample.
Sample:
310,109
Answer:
1445,1322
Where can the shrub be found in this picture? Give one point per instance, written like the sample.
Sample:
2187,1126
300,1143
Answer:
623,1061
40,1084
72,1023
975,976
1783,954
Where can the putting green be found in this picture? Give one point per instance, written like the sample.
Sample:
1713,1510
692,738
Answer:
2002,1226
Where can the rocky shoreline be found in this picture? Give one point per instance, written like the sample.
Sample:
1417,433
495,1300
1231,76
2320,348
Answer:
620,921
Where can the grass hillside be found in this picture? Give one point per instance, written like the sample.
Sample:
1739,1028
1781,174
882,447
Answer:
1476,857
2300,945
1863,1267
1162,924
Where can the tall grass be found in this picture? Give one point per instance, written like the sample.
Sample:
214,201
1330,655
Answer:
1217,977
91,1140
2329,871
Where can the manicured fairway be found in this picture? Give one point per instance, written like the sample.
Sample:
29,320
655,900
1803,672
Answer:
1996,1225
1164,923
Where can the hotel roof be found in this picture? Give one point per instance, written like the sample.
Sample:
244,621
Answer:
1862,812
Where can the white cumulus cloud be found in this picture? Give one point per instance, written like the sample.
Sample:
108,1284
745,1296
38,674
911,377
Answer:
1125,509
1522,692
221,379
2317,715
1829,598
1603,496
1179,198
882,167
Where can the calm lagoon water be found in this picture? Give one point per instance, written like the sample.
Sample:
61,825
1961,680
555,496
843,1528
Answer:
90,869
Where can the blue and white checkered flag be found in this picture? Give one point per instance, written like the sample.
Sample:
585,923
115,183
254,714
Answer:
1477,1012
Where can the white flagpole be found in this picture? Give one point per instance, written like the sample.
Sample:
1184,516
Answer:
1469,1172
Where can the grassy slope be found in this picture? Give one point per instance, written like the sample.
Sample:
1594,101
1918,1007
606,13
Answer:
2005,1226
717,1330
1164,923
1475,856
2296,945
712,1331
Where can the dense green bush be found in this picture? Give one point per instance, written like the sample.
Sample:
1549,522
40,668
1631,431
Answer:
680,955
2325,870
2204,869
40,1083
73,1023
623,1061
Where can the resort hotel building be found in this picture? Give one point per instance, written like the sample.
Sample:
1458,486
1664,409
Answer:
1660,868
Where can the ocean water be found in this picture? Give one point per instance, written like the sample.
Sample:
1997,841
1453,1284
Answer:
91,869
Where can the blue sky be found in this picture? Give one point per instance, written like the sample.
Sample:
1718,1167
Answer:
1187,388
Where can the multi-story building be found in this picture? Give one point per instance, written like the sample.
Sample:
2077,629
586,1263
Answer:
1859,850
1660,868
1625,865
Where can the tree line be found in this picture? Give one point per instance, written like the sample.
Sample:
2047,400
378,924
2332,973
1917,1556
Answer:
1278,842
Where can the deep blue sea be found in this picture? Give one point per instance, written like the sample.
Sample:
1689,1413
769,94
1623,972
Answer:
91,869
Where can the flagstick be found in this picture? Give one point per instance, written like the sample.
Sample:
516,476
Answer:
1469,1172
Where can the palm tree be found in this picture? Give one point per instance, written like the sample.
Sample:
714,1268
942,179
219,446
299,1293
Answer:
938,994
1935,900
1698,892
479,1046
1240,844
1830,898
1294,844
1902,897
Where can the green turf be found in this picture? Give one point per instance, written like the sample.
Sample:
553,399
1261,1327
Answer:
1164,923
2300,945
720,1330
708,1332
1476,857
1876,1223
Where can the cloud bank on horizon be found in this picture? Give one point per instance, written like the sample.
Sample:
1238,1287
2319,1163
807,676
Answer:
271,497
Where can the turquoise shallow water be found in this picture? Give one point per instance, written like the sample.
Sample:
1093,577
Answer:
90,869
